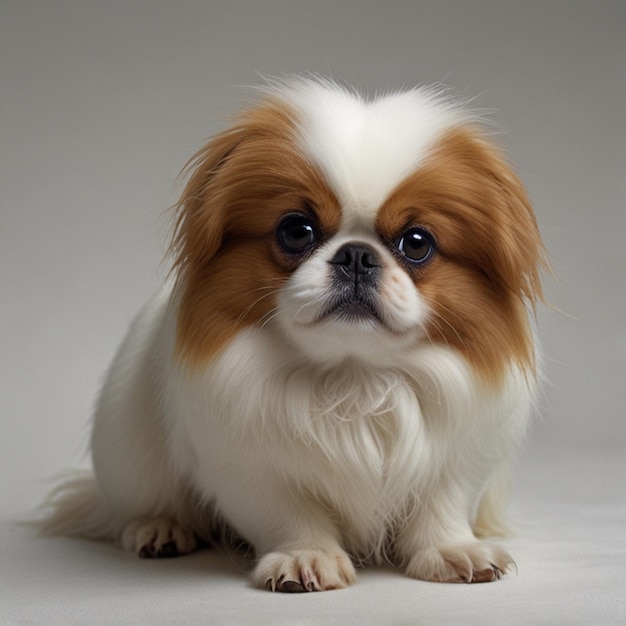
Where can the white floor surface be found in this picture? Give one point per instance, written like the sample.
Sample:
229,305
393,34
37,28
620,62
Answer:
570,547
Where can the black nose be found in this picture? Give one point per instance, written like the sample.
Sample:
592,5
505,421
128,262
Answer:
356,261
356,255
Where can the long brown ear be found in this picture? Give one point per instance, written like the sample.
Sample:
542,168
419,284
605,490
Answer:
512,254
520,255
516,256
199,219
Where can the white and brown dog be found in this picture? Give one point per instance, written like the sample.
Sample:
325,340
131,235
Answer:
342,362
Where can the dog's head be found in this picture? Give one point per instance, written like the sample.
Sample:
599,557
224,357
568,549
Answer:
357,229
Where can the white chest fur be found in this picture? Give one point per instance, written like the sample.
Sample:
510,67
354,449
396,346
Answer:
365,445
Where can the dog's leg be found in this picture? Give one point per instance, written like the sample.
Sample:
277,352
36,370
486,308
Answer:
137,496
158,537
303,556
437,543
295,540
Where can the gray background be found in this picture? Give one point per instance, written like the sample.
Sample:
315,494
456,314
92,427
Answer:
101,104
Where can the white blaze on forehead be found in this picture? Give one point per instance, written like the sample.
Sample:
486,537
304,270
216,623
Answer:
365,148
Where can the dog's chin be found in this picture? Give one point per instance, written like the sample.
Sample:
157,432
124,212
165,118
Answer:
351,331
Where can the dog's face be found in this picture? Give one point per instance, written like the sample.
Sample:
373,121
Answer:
354,292
358,229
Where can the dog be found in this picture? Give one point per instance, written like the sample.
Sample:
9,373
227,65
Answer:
342,361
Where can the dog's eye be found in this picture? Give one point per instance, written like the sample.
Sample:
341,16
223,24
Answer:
416,245
296,233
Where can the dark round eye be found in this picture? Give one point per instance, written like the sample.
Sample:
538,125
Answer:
296,233
417,245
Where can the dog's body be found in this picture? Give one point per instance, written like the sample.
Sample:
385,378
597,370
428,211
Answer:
340,367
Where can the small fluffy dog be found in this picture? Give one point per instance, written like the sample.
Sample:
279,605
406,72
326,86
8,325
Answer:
342,361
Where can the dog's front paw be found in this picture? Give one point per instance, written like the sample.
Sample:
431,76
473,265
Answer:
296,571
476,562
157,538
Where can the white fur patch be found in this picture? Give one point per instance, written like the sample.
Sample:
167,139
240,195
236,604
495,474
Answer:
365,148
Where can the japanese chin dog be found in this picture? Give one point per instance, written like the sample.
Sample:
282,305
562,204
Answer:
341,363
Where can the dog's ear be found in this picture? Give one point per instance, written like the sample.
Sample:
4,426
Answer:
215,173
200,213
518,254
511,255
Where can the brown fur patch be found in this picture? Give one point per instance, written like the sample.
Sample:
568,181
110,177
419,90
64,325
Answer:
490,251
227,260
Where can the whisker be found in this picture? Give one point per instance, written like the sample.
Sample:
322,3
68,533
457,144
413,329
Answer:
295,315
271,290
438,328
268,317
437,317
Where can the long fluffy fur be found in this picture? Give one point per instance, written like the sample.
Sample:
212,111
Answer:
354,448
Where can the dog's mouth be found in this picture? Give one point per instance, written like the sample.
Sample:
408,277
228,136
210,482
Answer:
354,310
